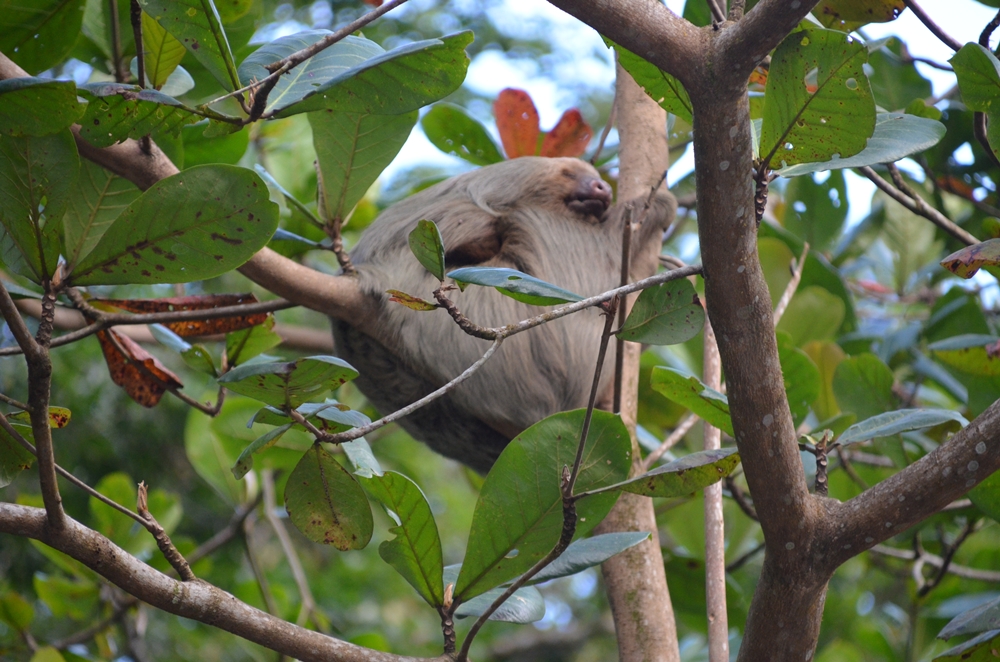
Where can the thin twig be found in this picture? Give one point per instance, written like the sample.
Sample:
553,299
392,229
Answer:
672,439
307,601
946,558
14,403
919,207
612,116
622,304
740,497
936,561
741,561
258,572
797,268
228,533
932,26
167,548
116,42
718,16
208,409
849,468
984,36
25,341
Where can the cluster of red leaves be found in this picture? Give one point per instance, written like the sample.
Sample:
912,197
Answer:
521,135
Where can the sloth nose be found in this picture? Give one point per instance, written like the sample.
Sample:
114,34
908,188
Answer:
600,190
592,196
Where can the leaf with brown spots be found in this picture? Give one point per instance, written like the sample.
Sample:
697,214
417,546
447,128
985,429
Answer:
191,328
517,122
410,301
197,224
289,384
849,15
196,24
58,417
325,502
688,474
967,261
569,137
137,371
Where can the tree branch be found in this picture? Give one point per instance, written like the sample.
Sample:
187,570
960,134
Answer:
743,45
196,600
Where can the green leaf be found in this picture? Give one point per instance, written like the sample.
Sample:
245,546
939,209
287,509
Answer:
95,202
14,458
360,455
117,112
292,87
966,262
896,136
15,611
895,81
986,497
200,149
969,353
334,417
849,15
428,247
801,377
526,605
452,131
978,649
813,314
37,106
161,52
244,463
818,101
588,552
48,654
289,384
663,88
826,356
515,284
816,212
74,597
417,74
667,314
518,517
353,150
691,393
895,422
196,24
978,72
37,176
415,552
685,475
38,34
862,385
194,225
978,619
326,504
243,345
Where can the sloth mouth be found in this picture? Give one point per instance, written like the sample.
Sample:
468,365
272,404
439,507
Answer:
592,199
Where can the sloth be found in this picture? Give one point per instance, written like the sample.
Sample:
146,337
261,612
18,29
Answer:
551,218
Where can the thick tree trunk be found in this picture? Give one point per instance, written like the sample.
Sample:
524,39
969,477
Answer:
636,579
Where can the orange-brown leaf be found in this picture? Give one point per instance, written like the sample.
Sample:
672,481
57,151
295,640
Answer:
138,372
191,328
967,261
569,137
517,122
410,301
759,76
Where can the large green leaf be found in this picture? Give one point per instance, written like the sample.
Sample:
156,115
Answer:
813,314
353,150
818,101
38,34
398,81
969,353
691,393
325,502
981,648
685,475
515,284
244,463
896,136
452,131
37,176
978,72
663,88
815,212
894,422
289,383
95,202
668,314
117,112
301,81
862,385
196,24
37,106
196,224
800,374
895,79
518,517
415,552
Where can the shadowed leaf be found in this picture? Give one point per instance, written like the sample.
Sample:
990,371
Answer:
138,372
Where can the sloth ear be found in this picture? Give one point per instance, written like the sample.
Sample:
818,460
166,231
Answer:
471,236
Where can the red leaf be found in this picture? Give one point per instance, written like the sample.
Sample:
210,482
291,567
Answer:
517,122
138,372
569,137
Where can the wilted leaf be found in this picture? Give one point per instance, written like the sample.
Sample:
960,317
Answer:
569,137
410,301
685,475
517,122
137,371
192,328
326,504
967,261
515,284
58,417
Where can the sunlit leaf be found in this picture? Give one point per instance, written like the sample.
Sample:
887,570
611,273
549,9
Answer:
117,112
452,131
161,52
663,88
970,353
686,475
849,15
